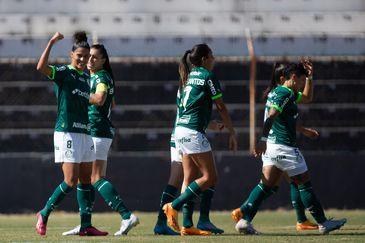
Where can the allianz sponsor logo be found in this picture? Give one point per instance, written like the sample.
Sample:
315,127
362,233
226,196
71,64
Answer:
184,140
212,88
86,95
81,126
196,81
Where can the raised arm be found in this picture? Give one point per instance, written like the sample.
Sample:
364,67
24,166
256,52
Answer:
307,95
223,112
42,65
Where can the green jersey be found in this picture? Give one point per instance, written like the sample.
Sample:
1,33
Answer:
72,92
283,130
100,116
195,107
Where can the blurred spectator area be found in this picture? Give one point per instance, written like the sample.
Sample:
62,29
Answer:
168,27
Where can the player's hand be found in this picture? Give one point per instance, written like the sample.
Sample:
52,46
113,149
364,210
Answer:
216,125
259,149
310,133
232,142
308,66
56,37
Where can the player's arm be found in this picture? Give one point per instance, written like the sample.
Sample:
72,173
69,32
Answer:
100,95
260,147
42,65
215,125
308,132
223,112
307,95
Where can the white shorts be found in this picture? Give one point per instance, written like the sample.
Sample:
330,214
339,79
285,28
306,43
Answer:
189,141
73,147
102,146
285,158
176,157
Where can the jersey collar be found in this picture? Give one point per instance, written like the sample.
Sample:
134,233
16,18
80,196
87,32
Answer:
73,68
290,90
98,72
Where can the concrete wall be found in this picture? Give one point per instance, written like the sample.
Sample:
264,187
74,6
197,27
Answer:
27,183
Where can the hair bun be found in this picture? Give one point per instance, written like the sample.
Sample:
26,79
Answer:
80,36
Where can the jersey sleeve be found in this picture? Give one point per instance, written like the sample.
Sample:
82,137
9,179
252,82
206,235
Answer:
58,73
101,88
280,100
214,88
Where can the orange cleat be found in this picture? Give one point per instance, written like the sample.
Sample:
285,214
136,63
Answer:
194,231
172,216
306,225
236,215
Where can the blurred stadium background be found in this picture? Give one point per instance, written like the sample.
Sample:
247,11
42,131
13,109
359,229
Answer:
145,40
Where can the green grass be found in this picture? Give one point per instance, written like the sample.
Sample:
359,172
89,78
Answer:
276,226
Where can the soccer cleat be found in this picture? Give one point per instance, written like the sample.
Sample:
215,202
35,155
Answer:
209,226
92,231
127,225
164,230
330,225
306,225
41,226
245,227
74,231
172,216
237,214
194,231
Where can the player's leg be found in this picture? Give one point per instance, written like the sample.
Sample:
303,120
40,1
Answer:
303,223
169,192
70,172
191,173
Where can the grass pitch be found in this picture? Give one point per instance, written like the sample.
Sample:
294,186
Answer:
276,226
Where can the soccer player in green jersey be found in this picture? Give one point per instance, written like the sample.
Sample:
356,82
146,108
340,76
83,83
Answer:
174,183
73,145
102,132
277,78
199,90
280,153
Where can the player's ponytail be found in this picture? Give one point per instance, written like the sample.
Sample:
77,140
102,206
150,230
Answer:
277,72
193,57
184,68
80,40
104,53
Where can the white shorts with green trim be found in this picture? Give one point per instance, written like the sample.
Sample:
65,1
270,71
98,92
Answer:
73,147
285,158
189,141
102,146
176,156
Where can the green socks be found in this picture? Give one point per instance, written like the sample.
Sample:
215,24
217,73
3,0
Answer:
56,198
188,210
192,191
311,202
111,197
168,195
84,192
297,203
257,196
205,203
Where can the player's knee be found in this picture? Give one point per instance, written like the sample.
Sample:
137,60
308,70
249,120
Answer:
71,182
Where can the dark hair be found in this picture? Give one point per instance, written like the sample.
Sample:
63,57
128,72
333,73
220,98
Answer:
104,53
80,40
294,68
190,58
277,72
